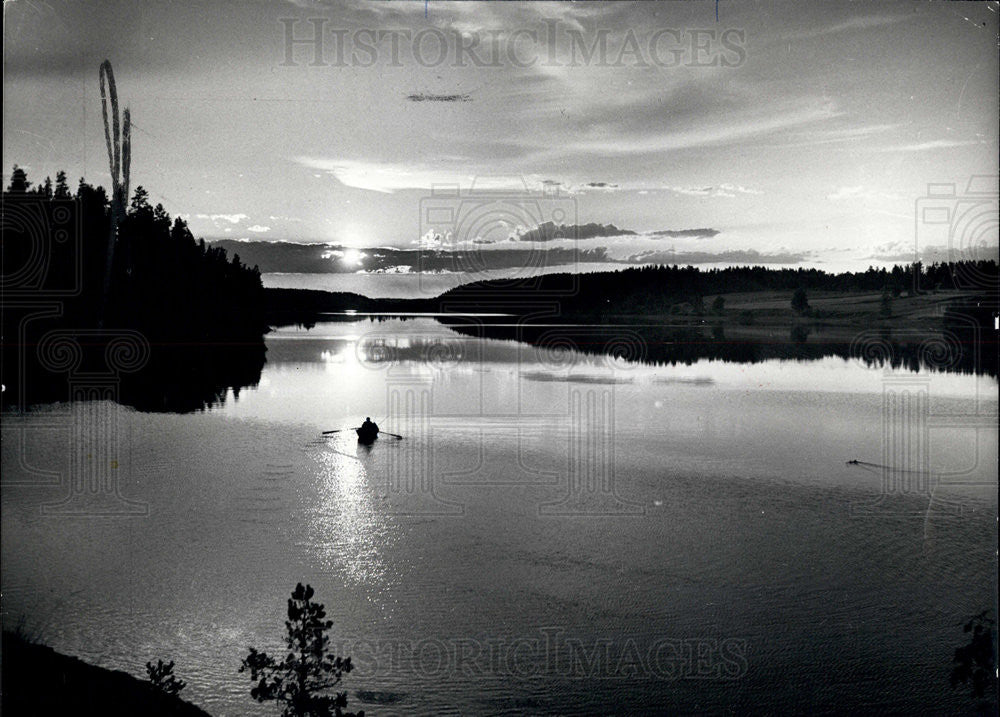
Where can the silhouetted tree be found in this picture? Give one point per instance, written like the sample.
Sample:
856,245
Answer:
140,200
975,663
300,680
163,678
917,269
62,189
18,181
800,303
718,305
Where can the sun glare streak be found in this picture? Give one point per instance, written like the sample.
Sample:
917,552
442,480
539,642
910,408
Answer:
350,531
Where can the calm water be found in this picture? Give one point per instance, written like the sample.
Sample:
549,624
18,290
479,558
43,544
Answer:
556,534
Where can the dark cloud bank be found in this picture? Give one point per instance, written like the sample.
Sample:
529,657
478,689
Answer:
330,258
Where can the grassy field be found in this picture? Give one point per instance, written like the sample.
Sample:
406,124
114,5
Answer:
832,316
837,306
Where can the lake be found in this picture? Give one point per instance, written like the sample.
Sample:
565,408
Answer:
557,532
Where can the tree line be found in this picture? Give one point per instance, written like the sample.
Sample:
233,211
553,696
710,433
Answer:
655,288
163,281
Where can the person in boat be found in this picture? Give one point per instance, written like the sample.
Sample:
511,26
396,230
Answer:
369,427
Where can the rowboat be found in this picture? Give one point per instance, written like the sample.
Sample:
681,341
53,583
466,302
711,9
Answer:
366,436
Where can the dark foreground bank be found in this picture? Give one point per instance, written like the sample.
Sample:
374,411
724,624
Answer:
37,680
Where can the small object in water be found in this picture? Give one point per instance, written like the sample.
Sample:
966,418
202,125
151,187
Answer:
853,463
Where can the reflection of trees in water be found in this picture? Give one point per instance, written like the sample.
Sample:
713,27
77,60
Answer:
440,349
167,378
185,379
799,334
959,347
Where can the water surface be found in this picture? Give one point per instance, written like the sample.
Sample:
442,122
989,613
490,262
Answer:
558,532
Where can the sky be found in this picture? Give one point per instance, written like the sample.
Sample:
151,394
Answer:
798,133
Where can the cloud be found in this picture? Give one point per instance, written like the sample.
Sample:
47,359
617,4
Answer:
686,233
549,231
860,192
932,144
390,177
571,187
258,228
725,190
855,23
230,218
739,127
692,191
846,193
739,189
834,136
339,259
469,17
426,97
383,177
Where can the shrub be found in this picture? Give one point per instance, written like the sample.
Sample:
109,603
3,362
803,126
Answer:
163,678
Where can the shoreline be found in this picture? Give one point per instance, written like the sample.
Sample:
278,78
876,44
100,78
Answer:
37,680
750,313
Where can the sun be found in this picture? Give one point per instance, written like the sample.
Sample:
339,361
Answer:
352,257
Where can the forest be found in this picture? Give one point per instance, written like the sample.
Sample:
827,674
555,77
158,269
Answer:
193,316
656,288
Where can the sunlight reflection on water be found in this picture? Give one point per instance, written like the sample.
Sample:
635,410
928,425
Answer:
349,532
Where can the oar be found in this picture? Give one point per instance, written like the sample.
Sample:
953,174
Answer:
394,435
338,430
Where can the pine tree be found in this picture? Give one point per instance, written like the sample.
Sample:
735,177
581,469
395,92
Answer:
140,199
300,679
18,181
161,675
62,189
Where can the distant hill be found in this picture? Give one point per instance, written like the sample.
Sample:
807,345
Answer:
656,289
